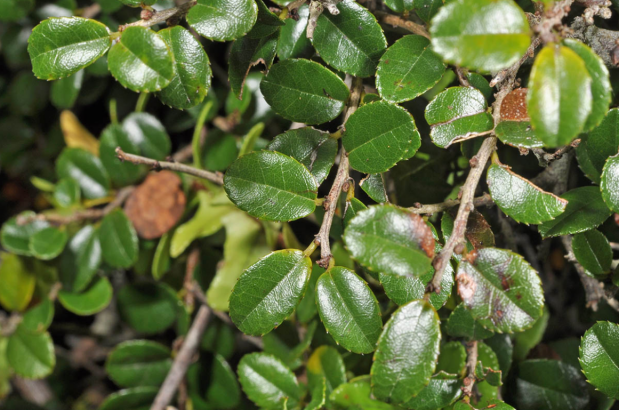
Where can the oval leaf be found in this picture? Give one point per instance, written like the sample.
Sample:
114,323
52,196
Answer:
93,299
136,398
85,169
48,243
597,145
15,237
16,283
119,241
139,363
81,259
610,183
148,307
223,20
31,355
443,390
599,355
592,250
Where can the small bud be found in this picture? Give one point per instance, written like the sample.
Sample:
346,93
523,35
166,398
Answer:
146,14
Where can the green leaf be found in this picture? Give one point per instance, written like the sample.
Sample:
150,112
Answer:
141,60
266,381
192,77
610,183
13,10
319,396
284,185
59,47
267,24
487,367
426,9
408,69
296,98
96,297
599,355
136,398
400,6
406,354
148,308
462,324
326,364
293,43
85,169
484,35
139,363
246,53
380,127
551,385
527,340
455,114
452,359
249,140
15,238
31,355
601,89
405,241
585,210
119,241
520,199
65,91
81,259
501,290
47,243
349,310
559,99
38,318
593,252
492,404
374,186
147,133
443,390
307,309
16,283
597,145
121,173
161,260
269,290
518,134
312,148
224,391
357,394
67,193
138,3
223,20
351,41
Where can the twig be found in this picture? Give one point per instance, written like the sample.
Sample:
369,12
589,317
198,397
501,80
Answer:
162,16
614,246
182,360
593,291
34,391
513,70
484,200
172,166
397,21
464,81
545,158
330,203
471,362
91,11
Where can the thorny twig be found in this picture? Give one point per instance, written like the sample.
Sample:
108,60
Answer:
162,16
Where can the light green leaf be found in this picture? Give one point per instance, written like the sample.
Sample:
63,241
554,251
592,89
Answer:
81,259
326,364
223,20
65,91
96,297
16,283
85,169
135,398
408,69
380,127
592,250
31,355
282,190
599,355
59,47
349,310
139,363
15,238
357,394
38,318
148,307
141,60
559,99
47,243
269,290
119,241
267,381
161,260
452,359
501,290
462,324
484,35
67,193
407,352
249,140
610,183
597,145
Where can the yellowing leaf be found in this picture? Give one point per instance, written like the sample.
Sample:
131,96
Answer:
75,135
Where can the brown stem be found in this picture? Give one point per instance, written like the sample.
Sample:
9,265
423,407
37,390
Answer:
162,16
471,362
546,158
484,200
397,21
172,166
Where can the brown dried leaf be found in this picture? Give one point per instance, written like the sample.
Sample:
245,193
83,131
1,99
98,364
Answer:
478,231
514,106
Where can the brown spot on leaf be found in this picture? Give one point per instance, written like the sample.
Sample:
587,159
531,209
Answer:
514,106
499,313
387,61
466,286
471,256
422,234
156,205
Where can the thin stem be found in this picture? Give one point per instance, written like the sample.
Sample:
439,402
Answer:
140,105
113,112
471,362
197,131
484,200
172,166
162,16
397,21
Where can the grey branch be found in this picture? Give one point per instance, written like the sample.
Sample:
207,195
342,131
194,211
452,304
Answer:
484,200
471,362
162,16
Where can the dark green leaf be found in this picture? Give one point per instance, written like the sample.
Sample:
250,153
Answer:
487,368
585,210
426,9
59,47
349,310
139,363
380,127
293,43
38,318
31,355
599,355
121,172
141,60
138,3
485,35
16,237
85,169
307,307
13,10
65,91
352,208
136,398
267,22
192,77
81,259
408,69
443,390
350,41
269,290
16,283
559,99
96,297
326,364
399,6
527,340
406,354
501,290
593,252
597,145
610,183
223,20
374,186
47,243
148,134
452,358
67,193
119,241
246,53
518,134
224,391
276,180
297,98
501,345
462,324
455,114
148,308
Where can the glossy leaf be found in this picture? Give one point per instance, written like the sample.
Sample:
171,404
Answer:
96,297
59,47
119,241
374,186
406,354
350,41
276,180
349,310
455,114
610,183
266,381
81,259
559,99
192,77
296,98
16,283
293,42
592,250
148,308
139,363
67,193
326,364
452,358
462,324
146,132
599,355
443,390
15,237
585,210
399,6
312,148
388,239
135,398
597,145
64,92
223,20
141,60
501,290
520,199
246,53
380,127
307,309
85,169
31,355
120,172
48,243
408,69
518,134
485,35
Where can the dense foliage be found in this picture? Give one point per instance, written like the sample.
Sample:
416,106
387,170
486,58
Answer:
396,204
